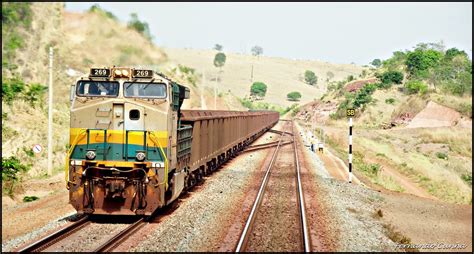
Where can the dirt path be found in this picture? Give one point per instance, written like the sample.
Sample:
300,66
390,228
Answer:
21,218
407,184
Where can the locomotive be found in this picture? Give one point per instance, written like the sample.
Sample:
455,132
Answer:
132,149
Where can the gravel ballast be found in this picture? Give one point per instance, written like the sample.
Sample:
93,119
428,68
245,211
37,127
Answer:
202,220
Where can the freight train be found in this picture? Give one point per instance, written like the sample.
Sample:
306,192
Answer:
133,149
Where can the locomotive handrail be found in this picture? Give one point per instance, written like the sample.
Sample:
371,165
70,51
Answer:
152,137
68,156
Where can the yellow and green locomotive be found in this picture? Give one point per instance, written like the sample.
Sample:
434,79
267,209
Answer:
132,148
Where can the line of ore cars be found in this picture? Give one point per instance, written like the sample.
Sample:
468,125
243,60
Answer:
132,148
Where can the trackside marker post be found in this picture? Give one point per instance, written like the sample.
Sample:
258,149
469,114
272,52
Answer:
350,113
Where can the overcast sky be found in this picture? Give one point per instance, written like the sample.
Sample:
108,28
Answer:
333,32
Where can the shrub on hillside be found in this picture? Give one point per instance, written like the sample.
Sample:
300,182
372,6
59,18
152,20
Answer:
416,86
390,101
11,88
259,89
11,173
419,61
97,9
140,26
35,93
376,62
293,96
390,77
219,59
310,77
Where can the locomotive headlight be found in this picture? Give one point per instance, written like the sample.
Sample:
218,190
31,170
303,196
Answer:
125,73
140,156
118,73
90,154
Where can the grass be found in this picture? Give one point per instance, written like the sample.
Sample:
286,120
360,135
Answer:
30,198
457,139
395,235
413,105
461,104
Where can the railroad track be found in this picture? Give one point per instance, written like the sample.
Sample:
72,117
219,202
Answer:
119,238
251,220
56,236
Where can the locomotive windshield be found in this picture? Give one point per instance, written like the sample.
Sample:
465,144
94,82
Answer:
144,90
97,88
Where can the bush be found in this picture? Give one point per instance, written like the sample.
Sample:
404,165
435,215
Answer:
383,85
97,9
11,88
310,78
11,170
294,96
390,101
416,86
467,178
390,77
30,198
258,88
14,13
442,156
35,93
376,62
419,61
219,59
140,26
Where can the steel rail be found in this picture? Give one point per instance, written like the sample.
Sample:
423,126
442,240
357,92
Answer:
253,148
250,220
56,236
304,225
120,237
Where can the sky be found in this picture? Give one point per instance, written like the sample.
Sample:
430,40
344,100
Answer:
333,32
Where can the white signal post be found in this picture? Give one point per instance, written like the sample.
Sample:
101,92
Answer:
50,113
350,114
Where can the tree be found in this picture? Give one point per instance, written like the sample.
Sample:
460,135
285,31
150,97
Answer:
310,77
257,50
258,88
329,75
376,62
416,86
452,52
419,61
390,77
218,47
219,59
293,96
139,26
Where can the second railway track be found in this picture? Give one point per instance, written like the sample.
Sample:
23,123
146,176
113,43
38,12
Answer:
277,220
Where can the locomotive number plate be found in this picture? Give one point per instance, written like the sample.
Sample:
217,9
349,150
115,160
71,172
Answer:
99,72
142,73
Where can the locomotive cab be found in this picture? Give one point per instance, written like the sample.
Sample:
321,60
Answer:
123,137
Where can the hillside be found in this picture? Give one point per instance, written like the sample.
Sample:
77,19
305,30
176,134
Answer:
281,75
79,42
413,142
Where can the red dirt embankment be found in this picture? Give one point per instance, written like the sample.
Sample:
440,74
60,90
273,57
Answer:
435,115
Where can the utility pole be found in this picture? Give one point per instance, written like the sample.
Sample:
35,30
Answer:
215,92
50,113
